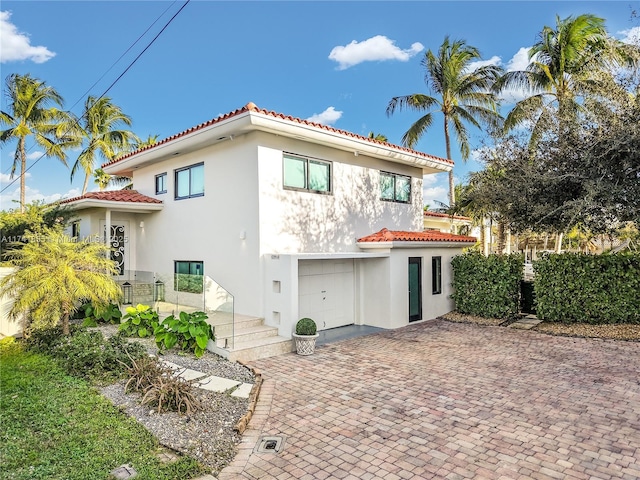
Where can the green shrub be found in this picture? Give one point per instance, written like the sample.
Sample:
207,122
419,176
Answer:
487,286
572,287
139,321
190,331
86,354
10,346
95,315
306,326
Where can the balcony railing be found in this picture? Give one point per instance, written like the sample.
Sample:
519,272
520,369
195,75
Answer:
170,294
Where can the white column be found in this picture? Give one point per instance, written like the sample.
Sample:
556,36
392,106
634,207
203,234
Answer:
487,237
107,228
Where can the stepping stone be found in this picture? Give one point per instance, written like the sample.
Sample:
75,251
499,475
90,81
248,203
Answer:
526,323
124,472
242,391
216,384
185,373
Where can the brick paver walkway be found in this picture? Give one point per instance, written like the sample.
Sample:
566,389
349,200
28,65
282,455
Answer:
454,401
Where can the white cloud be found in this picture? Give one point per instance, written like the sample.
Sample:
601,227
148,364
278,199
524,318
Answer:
17,46
6,178
328,117
378,48
432,195
631,35
10,200
519,61
495,60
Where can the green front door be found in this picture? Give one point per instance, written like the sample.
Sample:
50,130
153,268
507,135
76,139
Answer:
415,289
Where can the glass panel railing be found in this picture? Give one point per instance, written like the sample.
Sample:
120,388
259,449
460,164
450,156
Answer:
170,294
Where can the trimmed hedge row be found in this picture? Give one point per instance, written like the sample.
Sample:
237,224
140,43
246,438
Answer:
487,286
572,288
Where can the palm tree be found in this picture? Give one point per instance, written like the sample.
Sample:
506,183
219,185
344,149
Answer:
101,125
32,112
380,137
55,276
464,96
570,67
104,180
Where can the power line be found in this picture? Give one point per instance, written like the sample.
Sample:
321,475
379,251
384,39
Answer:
114,82
111,67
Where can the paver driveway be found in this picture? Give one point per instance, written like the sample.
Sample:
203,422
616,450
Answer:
447,400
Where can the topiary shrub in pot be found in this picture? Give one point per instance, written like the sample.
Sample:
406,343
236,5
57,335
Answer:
305,336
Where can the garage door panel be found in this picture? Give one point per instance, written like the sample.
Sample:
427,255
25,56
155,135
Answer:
327,295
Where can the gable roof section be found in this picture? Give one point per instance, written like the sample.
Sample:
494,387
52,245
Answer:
391,238
229,125
116,199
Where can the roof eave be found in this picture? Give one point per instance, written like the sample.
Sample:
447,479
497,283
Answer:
137,207
417,244
247,121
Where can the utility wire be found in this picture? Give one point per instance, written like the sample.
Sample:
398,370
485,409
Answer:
112,84
110,68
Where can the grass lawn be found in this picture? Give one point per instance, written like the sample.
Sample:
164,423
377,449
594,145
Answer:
58,427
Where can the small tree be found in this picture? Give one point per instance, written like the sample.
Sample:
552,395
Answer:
55,276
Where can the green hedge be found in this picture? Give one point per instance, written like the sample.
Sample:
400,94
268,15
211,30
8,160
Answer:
487,286
573,287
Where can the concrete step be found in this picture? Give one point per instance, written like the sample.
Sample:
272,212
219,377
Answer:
261,348
244,334
252,339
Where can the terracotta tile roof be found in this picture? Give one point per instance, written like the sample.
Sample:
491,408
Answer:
253,108
130,196
445,215
385,235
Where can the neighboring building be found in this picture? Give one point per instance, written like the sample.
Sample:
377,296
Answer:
278,215
445,222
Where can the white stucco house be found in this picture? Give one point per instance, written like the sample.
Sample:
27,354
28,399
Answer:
445,222
283,219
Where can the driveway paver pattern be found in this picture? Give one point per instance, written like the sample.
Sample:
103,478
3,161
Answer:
452,401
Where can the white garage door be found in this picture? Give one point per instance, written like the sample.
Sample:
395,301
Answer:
325,292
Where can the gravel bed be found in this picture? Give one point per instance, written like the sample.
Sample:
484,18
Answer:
464,318
207,435
614,332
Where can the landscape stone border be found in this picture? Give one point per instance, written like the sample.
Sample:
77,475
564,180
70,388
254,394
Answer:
241,426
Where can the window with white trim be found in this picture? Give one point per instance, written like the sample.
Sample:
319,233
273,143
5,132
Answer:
310,174
189,182
395,187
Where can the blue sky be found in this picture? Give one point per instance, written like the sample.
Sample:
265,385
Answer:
335,62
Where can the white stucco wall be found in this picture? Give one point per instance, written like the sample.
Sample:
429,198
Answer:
8,326
303,222
208,228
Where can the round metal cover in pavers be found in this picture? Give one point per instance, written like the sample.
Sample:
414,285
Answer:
270,444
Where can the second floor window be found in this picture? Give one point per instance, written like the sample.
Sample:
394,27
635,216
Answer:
189,182
395,188
161,183
309,174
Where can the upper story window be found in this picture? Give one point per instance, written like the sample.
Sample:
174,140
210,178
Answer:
161,183
301,173
395,187
189,182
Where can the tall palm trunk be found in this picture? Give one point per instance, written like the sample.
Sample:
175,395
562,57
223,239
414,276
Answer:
501,236
452,195
23,172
